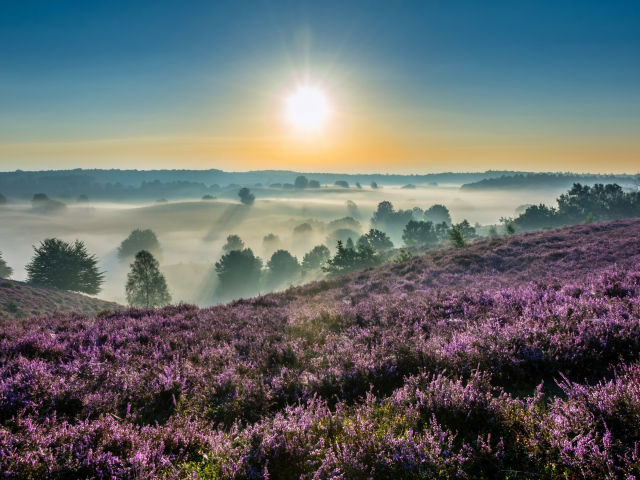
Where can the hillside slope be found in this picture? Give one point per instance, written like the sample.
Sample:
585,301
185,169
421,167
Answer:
511,355
19,299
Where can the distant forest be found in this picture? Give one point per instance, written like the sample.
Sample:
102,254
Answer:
131,185
544,180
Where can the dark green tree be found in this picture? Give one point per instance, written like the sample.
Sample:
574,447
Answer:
5,270
442,231
146,285
67,266
282,267
467,230
314,184
301,182
346,222
457,238
347,260
137,241
316,258
419,233
303,228
387,219
341,183
350,244
437,214
239,272
234,242
376,239
374,185
341,234
246,196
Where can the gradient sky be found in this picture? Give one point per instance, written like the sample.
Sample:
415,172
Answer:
415,86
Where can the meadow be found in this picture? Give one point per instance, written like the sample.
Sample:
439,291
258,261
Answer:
514,357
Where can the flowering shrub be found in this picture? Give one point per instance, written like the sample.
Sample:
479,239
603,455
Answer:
511,358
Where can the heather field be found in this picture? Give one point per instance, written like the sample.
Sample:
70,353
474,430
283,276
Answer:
513,357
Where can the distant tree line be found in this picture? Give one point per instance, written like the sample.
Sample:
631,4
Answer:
582,203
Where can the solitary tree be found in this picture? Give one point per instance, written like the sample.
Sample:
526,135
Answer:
376,239
457,238
301,182
282,267
316,258
137,241
5,270
342,183
64,265
246,196
146,285
239,272
234,242
374,185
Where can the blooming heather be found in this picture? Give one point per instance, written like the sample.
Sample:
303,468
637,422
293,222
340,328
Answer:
510,358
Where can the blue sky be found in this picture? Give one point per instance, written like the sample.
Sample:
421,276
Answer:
419,86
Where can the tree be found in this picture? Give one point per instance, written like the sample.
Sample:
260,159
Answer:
44,205
302,228
358,186
137,241
208,197
493,231
386,218
347,260
282,267
301,182
376,239
467,230
418,233
350,244
313,184
590,218
437,214
352,209
146,285
374,185
239,272
270,243
67,266
316,258
457,239
442,231
509,229
234,242
246,196
346,222
342,183
5,270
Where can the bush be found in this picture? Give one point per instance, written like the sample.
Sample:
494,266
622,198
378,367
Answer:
301,182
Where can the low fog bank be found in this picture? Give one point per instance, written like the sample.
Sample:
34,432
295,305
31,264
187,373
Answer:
193,233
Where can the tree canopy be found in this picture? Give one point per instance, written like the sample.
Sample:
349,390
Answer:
137,241
347,260
376,239
419,233
67,266
282,267
316,258
387,219
239,272
246,196
301,182
437,214
146,285
234,242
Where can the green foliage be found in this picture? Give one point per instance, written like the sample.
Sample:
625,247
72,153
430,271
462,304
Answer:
44,205
64,265
301,182
313,184
234,242
376,239
6,285
239,272
12,306
282,267
146,285
137,241
467,230
403,257
316,258
246,196
347,260
341,235
341,183
457,238
386,218
419,233
493,231
509,229
590,218
352,210
374,185
349,243
5,270
437,214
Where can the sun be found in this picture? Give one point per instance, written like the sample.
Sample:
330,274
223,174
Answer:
307,109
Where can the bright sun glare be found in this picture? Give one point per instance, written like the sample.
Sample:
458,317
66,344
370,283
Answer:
307,108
